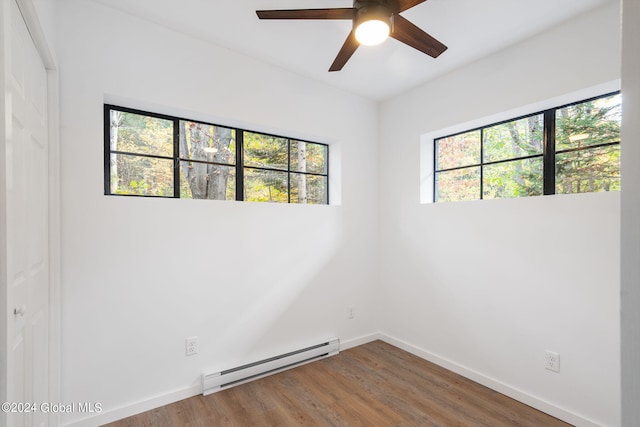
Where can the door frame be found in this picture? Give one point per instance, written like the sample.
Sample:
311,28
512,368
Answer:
32,21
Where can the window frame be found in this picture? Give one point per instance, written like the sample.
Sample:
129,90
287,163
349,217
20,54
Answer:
177,159
548,154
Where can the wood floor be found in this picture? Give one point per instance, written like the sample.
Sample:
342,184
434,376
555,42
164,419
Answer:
375,384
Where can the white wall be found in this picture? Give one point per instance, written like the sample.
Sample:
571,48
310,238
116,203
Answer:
486,287
630,304
250,280
46,17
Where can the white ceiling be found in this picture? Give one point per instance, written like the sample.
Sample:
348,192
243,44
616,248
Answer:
470,28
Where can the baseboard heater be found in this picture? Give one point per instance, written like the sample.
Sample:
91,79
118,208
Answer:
217,381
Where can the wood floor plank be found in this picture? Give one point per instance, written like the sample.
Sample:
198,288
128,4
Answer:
484,406
363,408
455,400
375,384
404,397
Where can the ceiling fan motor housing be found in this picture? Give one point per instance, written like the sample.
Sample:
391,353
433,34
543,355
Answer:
372,10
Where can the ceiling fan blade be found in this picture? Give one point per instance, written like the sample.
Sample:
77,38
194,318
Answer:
348,48
407,33
402,5
335,13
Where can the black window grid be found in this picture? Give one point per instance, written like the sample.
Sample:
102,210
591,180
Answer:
548,154
239,160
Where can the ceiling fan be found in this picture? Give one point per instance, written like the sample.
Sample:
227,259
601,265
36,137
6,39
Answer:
373,22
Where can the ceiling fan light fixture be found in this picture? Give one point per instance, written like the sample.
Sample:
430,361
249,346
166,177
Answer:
372,32
372,25
579,137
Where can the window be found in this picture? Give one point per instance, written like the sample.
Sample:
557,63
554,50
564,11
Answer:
155,155
570,149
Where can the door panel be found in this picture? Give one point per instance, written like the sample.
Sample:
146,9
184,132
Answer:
27,224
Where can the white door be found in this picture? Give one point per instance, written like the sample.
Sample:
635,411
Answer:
27,253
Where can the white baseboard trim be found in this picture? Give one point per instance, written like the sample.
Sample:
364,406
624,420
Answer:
354,342
136,408
500,387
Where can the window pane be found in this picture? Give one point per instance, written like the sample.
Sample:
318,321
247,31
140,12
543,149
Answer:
266,151
517,178
265,186
459,184
135,133
143,176
589,170
458,150
308,157
310,189
519,138
588,123
199,141
207,181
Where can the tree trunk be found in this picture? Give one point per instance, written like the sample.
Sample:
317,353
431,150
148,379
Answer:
116,121
535,126
206,181
302,167
515,148
219,175
198,177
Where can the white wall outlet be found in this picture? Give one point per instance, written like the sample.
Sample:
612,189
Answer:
352,312
552,361
191,346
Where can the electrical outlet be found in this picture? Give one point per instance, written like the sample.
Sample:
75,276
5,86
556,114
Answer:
191,346
352,312
552,361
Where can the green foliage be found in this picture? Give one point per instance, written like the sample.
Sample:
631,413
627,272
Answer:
308,157
266,186
138,134
458,150
308,189
519,138
519,178
266,151
582,126
589,170
457,185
